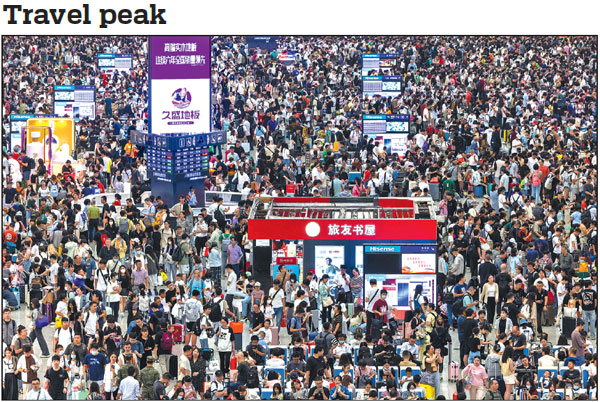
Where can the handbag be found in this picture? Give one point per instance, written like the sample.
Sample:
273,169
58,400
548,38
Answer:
58,322
328,301
427,378
42,321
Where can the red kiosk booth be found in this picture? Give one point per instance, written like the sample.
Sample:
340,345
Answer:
390,239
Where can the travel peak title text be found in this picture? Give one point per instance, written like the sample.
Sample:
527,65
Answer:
17,14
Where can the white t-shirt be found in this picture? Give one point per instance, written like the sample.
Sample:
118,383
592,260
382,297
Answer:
369,295
64,336
53,272
573,239
103,279
61,307
113,298
90,324
204,321
556,244
231,282
339,280
277,297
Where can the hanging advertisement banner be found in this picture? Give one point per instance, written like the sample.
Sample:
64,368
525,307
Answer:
179,84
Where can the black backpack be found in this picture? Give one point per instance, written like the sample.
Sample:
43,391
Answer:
456,306
448,296
586,215
321,340
178,254
215,313
253,380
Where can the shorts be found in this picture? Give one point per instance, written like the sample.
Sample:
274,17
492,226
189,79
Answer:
190,326
289,304
509,379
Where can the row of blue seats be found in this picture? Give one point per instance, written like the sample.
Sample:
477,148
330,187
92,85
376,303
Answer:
337,370
585,374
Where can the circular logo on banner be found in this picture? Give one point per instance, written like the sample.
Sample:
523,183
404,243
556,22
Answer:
313,229
181,98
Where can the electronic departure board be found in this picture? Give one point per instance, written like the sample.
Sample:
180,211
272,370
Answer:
110,62
375,64
173,157
76,101
386,85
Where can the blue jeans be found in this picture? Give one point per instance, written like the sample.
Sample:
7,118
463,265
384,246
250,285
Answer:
589,318
170,270
362,326
449,310
278,314
535,193
245,302
204,343
436,383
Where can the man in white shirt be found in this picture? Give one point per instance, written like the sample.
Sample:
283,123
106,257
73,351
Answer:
62,309
28,374
64,335
574,240
371,296
277,296
342,347
231,285
90,320
342,279
37,393
53,269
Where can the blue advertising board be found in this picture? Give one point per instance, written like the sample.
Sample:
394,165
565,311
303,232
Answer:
262,42
76,101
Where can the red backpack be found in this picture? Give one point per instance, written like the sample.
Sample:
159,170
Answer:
166,341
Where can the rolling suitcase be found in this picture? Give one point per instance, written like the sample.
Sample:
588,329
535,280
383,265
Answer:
17,292
568,326
47,311
238,329
178,333
173,366
454,372
274,335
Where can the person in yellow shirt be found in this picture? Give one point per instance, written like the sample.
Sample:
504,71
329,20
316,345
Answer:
120,245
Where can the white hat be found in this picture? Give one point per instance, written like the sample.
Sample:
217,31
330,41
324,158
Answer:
257,283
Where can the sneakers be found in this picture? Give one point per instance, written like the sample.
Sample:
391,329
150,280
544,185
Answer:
45,356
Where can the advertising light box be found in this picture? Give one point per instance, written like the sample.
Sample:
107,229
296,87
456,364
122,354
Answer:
111,62
386,86
75,101
375,64
179,84
390,129
399,269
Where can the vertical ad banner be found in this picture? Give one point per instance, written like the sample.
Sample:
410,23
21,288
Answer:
179,84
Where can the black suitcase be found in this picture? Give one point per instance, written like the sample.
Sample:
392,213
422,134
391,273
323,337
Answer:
173,366
568,326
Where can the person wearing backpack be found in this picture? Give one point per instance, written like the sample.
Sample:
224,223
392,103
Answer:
204,329
164,342
124,225
192,311
224,242
327,340
589,307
